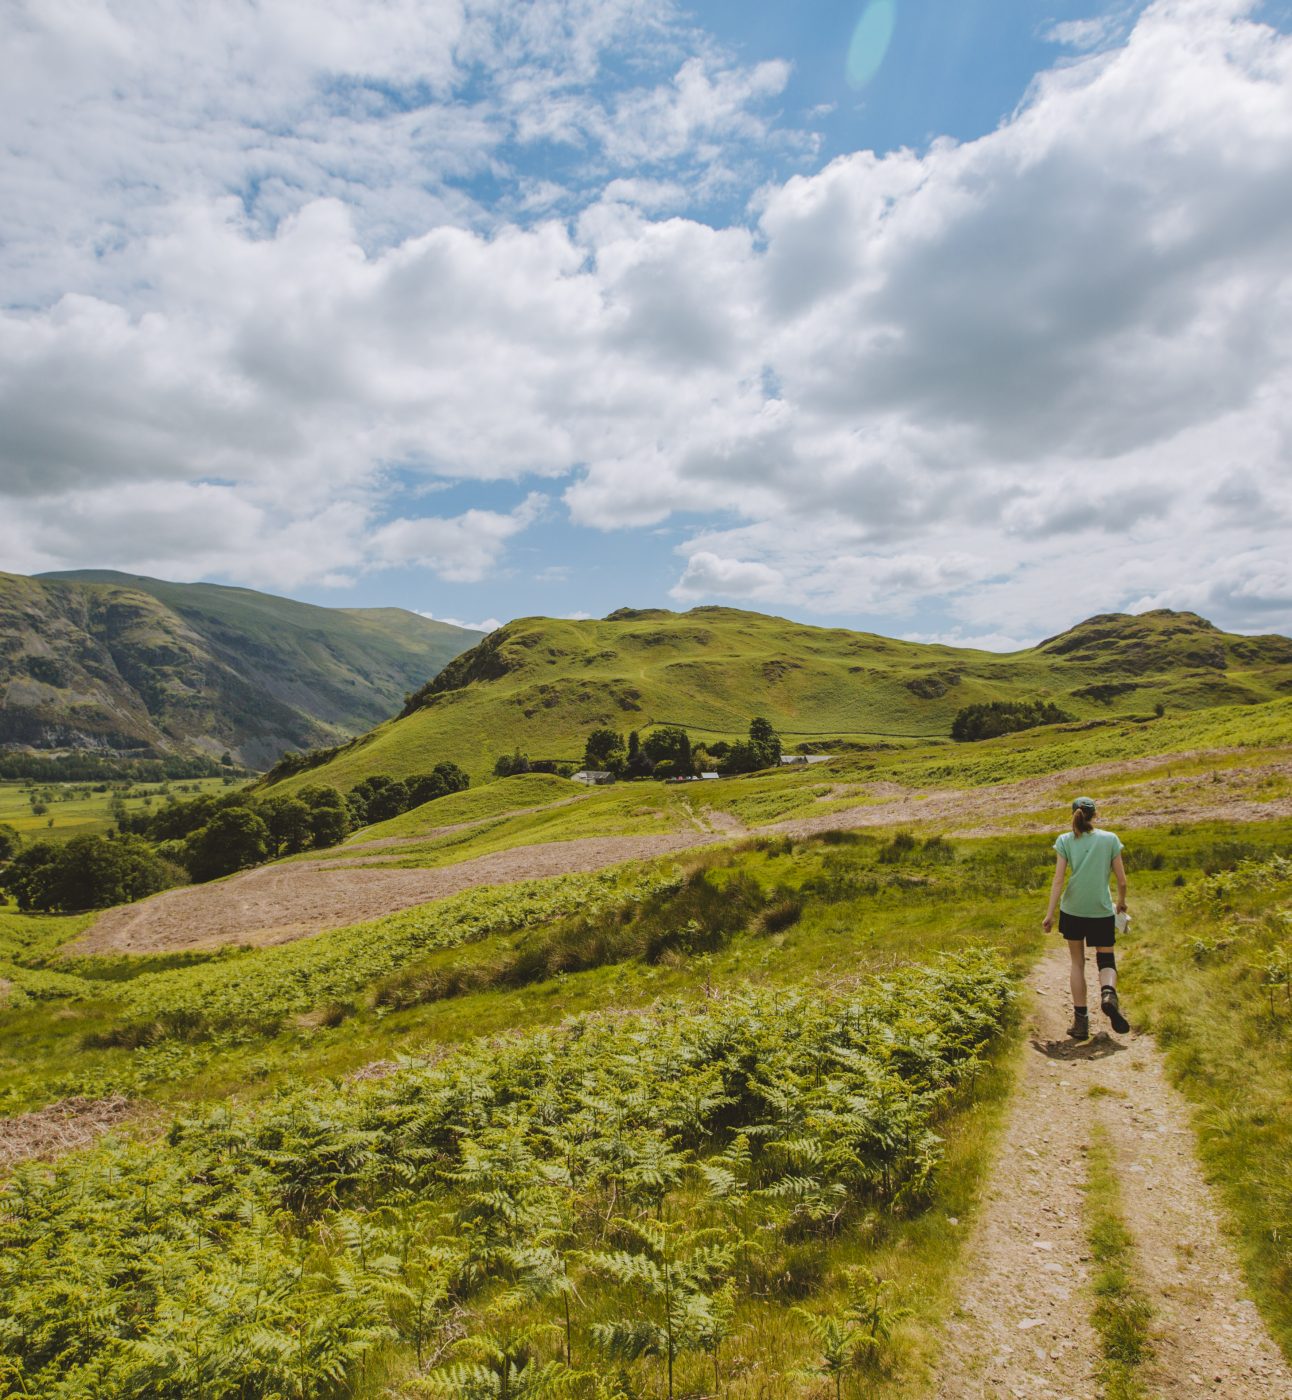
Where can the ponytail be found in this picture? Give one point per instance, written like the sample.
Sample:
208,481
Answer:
1081,821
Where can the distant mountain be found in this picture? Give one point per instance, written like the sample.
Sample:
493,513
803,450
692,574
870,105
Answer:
541,684
124,665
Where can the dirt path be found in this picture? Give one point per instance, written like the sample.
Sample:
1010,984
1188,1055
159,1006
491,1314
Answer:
278,903
1022,1328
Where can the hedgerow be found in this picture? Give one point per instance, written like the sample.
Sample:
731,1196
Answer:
603,1199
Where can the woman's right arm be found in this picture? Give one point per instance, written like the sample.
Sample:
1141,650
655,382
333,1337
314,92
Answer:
1119,870
1056,889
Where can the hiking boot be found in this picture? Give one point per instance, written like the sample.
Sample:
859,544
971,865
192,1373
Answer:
1111,1008
1080,1027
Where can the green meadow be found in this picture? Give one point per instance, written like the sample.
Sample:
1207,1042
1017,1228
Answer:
710,1123
86,809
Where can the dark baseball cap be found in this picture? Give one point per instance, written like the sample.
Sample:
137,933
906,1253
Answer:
1087,804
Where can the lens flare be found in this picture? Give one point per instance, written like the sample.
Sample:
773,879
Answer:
870,40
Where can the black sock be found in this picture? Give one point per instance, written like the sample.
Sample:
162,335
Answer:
1080,1010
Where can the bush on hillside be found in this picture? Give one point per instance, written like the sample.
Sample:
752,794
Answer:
996,717
511,765
761,750
380,797
87,872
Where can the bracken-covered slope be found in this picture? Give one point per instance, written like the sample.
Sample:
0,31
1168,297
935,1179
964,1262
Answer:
121,664
540,684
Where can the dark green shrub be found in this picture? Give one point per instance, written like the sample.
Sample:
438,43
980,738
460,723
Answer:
87,872
996,717
232,840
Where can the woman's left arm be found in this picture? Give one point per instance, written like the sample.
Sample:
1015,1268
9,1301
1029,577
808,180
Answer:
1120,871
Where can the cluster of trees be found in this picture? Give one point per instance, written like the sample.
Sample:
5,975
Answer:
996,717
90,767
202,839
670,753
87,872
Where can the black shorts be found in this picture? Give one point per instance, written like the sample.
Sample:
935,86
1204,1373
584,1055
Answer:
1100,932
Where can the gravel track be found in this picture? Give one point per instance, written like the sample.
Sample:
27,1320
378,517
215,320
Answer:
1022,1328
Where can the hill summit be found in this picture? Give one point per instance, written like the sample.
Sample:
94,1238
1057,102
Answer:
541,684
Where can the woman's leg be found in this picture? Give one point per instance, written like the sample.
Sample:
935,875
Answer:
1077,952
1106,961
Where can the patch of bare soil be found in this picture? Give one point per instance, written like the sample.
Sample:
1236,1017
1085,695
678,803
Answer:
60,1127
1022,1328
723,823
278,903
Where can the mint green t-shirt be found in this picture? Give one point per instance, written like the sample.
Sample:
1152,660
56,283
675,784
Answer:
1090,861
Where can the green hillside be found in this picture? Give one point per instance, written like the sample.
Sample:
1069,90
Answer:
118,664
541,684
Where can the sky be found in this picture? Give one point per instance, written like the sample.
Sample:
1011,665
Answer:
956,320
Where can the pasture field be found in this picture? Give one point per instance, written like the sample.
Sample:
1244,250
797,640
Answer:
85,809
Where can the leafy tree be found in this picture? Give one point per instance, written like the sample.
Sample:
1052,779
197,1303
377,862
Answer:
637,764
233,839
10,841
669,749
392,800
766,740
604,751
290,823
443,779
88,872
761,750
511,765
329,815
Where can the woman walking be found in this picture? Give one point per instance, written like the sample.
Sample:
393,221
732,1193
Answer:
1086,913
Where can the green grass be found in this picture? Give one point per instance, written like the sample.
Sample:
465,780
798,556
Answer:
1209,975
543,684
1122,1315
80,809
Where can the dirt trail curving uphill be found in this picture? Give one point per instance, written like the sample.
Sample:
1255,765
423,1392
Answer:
1022,1328
279,903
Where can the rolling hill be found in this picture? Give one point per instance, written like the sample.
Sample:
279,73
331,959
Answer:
541,684
118,664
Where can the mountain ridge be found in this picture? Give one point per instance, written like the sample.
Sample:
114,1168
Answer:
128,665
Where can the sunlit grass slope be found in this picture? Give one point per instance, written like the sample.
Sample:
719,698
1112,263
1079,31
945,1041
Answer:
541,684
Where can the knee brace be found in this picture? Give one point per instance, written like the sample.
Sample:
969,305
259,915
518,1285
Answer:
1105,960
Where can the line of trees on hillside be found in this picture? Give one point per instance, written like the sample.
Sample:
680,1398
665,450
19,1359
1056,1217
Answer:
204,838
993,718
667,752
